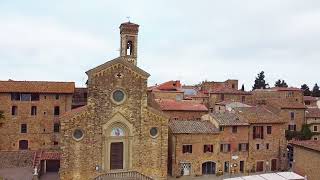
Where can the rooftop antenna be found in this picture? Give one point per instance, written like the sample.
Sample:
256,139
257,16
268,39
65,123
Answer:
128,17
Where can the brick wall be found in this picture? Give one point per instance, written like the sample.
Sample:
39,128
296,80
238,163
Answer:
306,162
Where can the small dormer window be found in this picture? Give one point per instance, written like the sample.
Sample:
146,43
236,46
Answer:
129,48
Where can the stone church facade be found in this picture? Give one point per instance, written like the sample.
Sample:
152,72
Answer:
116,131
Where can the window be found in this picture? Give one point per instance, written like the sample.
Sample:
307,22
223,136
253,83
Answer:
292,115
15,96
257,146
154,132
25,97
292,127
315,138
307,102
23,128
234,129
118,96
267,146
33,110
56,111
35,97
243,99
221,128
225,147
257,132
78,134
315,128
211,110
23,144
14,110
222,97
186,149
57,96
129,48
208,148
269,129
56,127
233,86
55,143
243,147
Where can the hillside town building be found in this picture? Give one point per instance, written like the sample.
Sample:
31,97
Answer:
119,127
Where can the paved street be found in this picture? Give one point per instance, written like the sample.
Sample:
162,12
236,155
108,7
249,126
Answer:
16,173
50,176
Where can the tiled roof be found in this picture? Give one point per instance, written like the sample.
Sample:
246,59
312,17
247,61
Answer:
183,105
51,156
258,114
310,98
309,144
313,113
73,112
167,86
288,104
226,90
228,119
37,87
188,127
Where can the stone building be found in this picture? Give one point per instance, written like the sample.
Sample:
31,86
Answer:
287,103
307,159
116,132
80,97
167,90
244,140
313,120
310,101
32,112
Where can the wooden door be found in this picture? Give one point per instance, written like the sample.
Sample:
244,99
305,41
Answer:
53,165
242,166
259,166
116,155
273,165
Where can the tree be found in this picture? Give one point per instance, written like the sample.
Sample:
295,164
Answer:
316,91
260,83
306,90
242,88
280,83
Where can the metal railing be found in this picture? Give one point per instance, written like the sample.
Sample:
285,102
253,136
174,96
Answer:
132,175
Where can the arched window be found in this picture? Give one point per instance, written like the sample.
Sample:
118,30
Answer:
129,48
23,144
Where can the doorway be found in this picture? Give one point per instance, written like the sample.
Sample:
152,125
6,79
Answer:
185,169
116,155
273,164
209,168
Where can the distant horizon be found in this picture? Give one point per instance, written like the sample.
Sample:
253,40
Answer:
191,42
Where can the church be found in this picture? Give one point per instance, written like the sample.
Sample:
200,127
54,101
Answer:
116,132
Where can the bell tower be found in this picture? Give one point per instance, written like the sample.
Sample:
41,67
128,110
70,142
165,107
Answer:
129,41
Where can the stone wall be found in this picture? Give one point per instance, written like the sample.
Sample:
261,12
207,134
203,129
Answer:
13,159
39,127
307,162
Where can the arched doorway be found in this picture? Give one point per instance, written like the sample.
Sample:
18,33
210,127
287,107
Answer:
117,145
209,167
23,144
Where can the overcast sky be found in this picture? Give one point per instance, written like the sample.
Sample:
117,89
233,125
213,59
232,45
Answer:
182,40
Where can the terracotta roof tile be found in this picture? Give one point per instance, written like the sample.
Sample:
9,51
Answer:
183,105
37,87
51,156
259,114
188,127
167,86
73,112
229,119
309,144
313,113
